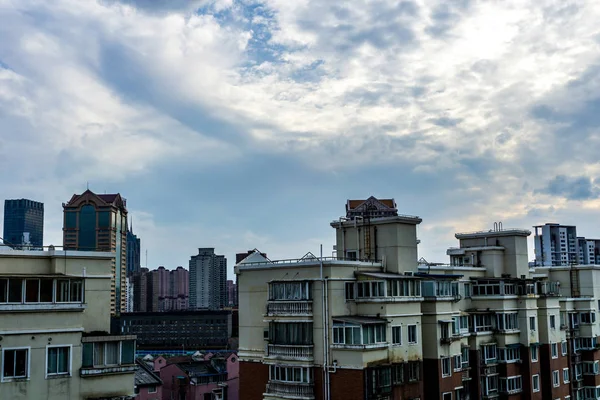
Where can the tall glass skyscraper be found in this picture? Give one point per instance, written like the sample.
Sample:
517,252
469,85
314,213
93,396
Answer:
98,222
23,222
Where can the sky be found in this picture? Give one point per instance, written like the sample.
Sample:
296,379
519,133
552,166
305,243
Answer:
241,124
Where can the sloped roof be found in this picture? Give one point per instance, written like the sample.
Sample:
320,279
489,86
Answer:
145,377
255,257
352,204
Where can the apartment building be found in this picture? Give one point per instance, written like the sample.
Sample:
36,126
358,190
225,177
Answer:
374,323
556,244
54,328
207,280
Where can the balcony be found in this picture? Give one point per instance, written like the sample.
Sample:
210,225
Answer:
294,390
466,374
290,352
289,308
117,369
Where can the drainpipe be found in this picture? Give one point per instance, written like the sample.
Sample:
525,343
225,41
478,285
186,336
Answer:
325,308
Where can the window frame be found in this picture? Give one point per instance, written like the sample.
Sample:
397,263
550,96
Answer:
15,378
416,334
69,373
448,361
554,350
555,378
535,379
566,374
397,328
537,353
564,347
152,391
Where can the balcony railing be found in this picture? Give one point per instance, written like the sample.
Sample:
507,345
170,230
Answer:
290,352
117,369
281,307
291,390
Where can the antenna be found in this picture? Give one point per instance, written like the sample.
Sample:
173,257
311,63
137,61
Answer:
87,184
146,258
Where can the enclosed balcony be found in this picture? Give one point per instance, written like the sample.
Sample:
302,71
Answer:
289,298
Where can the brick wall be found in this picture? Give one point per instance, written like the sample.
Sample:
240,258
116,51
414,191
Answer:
253,380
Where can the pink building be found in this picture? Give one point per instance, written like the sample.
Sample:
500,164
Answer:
148,386
213,376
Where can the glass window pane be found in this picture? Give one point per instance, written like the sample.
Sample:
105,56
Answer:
46,287
63,360
75,295
32,290
52,360
9,363
3,290
98,353
62,290
112,353
15,290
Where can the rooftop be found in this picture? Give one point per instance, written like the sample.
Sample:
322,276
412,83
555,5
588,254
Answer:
493,233
6,251
144,376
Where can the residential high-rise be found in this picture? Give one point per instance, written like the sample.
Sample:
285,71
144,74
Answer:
55,328
23,224
374,323
556,245
231,293
589,251
208,280
133,252
98,222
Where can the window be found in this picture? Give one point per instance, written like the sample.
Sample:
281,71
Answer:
552,322
587,317
554,347
414,371
404,288
151,389
591,367
290,374
482,322
370,289
490,385
446,367
509,354
293,333
457,360
350,291
447,396
398,374
563,348
58,359
15,363
379,380
508,321
460,324
555,378
511,384
532,323
489,353
349,333
534,353
535,383
106,353
412,334
397,335
464,353
565,375
299,290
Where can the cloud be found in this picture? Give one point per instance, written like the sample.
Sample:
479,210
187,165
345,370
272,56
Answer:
255,120
573,188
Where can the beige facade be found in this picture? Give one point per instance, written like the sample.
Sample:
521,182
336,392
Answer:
55,311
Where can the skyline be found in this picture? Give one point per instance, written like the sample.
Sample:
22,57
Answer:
248,124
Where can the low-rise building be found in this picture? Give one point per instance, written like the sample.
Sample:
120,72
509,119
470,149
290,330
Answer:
213,376
148,385
188,330
54,328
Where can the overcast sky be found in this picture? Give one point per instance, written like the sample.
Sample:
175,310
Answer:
248,123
